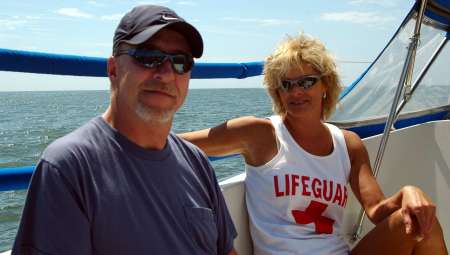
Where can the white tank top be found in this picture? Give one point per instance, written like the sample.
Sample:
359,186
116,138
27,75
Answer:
296,201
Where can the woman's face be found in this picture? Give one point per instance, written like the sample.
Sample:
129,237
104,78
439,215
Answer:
302,91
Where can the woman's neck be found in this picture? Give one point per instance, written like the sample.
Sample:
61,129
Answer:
307,126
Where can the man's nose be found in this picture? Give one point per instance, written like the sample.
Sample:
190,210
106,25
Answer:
164,71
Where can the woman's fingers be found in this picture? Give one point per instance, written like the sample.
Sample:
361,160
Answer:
419,212
407,220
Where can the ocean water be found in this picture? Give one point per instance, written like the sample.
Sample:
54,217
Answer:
29,121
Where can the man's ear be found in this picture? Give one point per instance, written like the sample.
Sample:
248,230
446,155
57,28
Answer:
112,70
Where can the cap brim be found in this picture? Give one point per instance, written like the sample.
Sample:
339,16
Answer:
187,30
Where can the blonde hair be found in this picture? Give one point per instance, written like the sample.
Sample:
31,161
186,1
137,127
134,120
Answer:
293,52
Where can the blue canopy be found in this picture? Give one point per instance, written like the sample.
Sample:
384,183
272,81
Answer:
60,64
439,10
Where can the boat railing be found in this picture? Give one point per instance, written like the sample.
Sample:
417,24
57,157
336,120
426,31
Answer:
16,178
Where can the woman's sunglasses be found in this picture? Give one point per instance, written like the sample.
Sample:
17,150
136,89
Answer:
306,82
181,63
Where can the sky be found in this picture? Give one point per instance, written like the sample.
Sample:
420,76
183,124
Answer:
232,30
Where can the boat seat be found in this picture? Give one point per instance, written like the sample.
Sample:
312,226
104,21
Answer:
417,155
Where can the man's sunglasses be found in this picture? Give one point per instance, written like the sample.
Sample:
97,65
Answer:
305,82
181,63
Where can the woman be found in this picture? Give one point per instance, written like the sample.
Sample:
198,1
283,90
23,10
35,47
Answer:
298,167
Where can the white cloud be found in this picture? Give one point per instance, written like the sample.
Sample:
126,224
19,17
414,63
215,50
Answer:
11,24
111,17
263,22
366,18
103,45
161,2
16,21
95,3
383,3
233,32
189,3
28,17
73,12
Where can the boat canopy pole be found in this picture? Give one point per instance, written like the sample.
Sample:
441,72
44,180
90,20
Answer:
421,75
405,78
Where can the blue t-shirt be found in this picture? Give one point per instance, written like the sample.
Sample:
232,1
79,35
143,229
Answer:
96,192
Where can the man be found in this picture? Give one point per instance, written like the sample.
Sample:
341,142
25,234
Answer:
123,183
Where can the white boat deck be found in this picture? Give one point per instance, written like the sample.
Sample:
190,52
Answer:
418,155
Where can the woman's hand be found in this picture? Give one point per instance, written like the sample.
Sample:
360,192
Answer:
418,211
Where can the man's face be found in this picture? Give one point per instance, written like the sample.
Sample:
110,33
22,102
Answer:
151,94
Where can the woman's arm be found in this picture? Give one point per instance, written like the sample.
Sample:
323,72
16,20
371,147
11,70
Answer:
227,138
417,209
250,136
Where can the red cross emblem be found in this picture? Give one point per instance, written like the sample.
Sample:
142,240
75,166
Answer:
313,214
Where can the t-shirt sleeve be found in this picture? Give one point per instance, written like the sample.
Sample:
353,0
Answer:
225,226
53,221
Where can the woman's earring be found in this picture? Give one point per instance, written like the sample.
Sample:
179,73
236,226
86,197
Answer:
324,95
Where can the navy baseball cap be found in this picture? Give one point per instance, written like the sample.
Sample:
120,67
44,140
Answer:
144,21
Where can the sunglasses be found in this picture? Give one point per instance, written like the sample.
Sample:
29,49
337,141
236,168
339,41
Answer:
181,63
305,82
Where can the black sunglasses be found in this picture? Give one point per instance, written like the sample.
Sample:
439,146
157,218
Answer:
181,63
305,82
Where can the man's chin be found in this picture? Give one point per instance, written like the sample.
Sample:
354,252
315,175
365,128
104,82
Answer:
155,116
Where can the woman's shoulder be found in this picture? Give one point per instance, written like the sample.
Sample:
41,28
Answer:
258,139
253,120
251,124
252,130
355,145
352,139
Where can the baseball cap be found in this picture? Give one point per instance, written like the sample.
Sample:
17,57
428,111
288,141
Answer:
144,21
